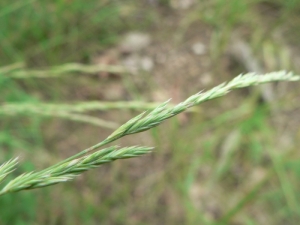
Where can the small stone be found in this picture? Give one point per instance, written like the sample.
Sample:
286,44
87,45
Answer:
199,48
135,63
146,64
134,42
131,63
182,4
206,79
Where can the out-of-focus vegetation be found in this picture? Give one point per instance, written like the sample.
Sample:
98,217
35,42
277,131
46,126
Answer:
234,161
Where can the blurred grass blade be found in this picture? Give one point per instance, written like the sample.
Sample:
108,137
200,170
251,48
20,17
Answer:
11,68
76,107
64,70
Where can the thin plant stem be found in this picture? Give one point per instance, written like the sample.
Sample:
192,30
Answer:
161,113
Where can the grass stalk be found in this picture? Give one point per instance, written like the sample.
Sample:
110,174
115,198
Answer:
67,171
161,113
85,160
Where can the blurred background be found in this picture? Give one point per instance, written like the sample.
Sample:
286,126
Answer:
72,71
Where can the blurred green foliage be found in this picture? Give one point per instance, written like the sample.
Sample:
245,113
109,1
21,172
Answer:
52,32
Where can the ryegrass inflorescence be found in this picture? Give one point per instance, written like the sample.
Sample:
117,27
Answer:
89,158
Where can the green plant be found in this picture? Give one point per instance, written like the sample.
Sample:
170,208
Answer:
89,158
